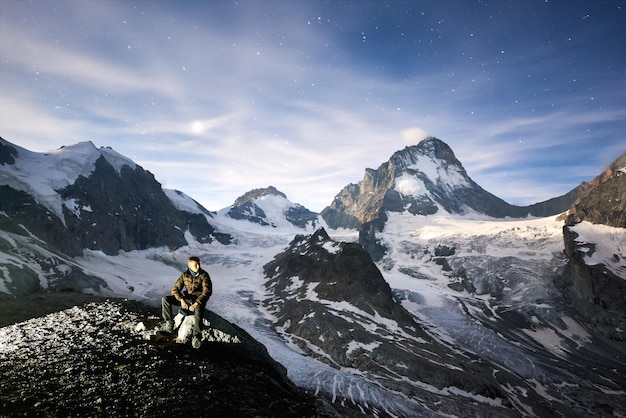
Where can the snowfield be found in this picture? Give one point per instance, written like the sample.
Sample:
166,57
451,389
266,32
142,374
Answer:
605,245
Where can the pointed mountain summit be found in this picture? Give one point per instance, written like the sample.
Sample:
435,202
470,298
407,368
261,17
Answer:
423,179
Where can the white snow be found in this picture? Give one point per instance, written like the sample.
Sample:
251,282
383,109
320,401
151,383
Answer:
409,185
42,174
183,202
603,245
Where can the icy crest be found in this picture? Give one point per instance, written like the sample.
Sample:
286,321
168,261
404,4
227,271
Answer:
43,174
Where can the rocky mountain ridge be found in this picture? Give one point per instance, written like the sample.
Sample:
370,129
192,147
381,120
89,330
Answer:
247,207
101,205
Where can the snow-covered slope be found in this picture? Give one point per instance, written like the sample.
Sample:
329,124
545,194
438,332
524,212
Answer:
43,174
605,245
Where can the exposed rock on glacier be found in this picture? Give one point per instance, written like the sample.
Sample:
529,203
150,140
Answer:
330,300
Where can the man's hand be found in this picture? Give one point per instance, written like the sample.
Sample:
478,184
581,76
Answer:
193,306
184,305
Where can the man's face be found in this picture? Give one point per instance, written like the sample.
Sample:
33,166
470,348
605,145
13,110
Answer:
193,265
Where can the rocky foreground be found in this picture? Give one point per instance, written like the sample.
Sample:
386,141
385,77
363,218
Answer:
93,360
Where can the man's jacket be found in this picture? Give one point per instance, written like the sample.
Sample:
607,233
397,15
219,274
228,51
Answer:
199,286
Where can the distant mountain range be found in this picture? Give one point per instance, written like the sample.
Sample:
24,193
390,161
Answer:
414,293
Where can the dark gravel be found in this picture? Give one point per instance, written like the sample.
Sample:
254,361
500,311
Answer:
88,361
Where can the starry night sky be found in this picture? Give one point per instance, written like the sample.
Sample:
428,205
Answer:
219,97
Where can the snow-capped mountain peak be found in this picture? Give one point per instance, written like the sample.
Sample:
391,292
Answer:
270,207
430,161
42,175
421,180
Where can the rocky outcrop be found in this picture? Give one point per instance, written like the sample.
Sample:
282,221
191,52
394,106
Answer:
21,214
90,361
595,289
592,283
604,199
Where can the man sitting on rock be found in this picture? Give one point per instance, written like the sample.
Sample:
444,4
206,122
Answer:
192,300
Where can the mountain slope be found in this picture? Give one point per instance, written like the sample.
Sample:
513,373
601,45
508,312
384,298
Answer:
97,197
250,207
56,205
423,179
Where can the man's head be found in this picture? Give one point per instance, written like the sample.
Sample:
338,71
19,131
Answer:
194,264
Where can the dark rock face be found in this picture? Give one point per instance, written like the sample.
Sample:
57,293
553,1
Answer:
7,153
364,205
592,283
300,216
132,212
249,211
595,290
604,199
23,215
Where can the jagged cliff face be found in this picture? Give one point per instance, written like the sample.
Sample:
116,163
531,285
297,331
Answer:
599,286
604,200
138,215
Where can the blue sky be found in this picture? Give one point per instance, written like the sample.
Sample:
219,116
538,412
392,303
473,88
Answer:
219,97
